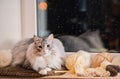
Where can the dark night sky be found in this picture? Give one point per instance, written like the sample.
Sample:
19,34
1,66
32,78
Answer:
66,17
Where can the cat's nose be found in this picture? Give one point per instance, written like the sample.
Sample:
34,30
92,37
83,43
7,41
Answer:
44,51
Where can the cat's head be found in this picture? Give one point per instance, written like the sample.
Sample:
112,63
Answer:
48,43
44,45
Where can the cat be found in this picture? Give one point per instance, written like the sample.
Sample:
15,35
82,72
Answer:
89,41
46,54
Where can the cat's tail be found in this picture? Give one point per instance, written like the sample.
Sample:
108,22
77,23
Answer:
5,58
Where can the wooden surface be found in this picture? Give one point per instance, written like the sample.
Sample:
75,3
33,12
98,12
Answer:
65,76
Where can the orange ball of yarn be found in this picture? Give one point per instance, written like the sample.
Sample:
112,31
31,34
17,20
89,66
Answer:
99,58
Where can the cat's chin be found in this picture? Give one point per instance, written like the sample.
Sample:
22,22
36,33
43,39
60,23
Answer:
47,54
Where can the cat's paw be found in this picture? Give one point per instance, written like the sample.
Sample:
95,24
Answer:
48,69
43,72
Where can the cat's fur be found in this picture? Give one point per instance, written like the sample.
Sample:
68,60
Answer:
89,41
46,54
19,52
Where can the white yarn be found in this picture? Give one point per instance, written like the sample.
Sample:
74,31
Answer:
5,58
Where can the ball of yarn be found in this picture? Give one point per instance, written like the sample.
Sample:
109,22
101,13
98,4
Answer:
5,58
78,61
99,58
70,61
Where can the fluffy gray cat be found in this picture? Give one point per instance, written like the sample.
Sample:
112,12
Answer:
39,54
89,41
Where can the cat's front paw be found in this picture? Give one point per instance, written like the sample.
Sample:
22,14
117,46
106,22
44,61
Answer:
43,72
48,69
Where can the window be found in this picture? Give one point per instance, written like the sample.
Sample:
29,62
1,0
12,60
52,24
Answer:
75,17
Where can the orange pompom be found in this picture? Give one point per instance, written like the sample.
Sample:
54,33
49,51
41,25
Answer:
43,5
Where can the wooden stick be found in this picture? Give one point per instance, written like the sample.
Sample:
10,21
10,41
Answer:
60,71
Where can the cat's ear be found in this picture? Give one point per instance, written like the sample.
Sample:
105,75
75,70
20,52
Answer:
50,37
35,38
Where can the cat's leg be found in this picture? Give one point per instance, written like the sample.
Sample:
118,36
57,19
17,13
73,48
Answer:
27,65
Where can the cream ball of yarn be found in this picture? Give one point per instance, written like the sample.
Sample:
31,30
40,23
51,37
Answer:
5,58
78,61
70,61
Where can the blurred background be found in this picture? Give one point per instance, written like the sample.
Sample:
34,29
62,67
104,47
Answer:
74,17
21,19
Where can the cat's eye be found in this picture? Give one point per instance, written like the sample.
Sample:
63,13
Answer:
48,45
40,46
